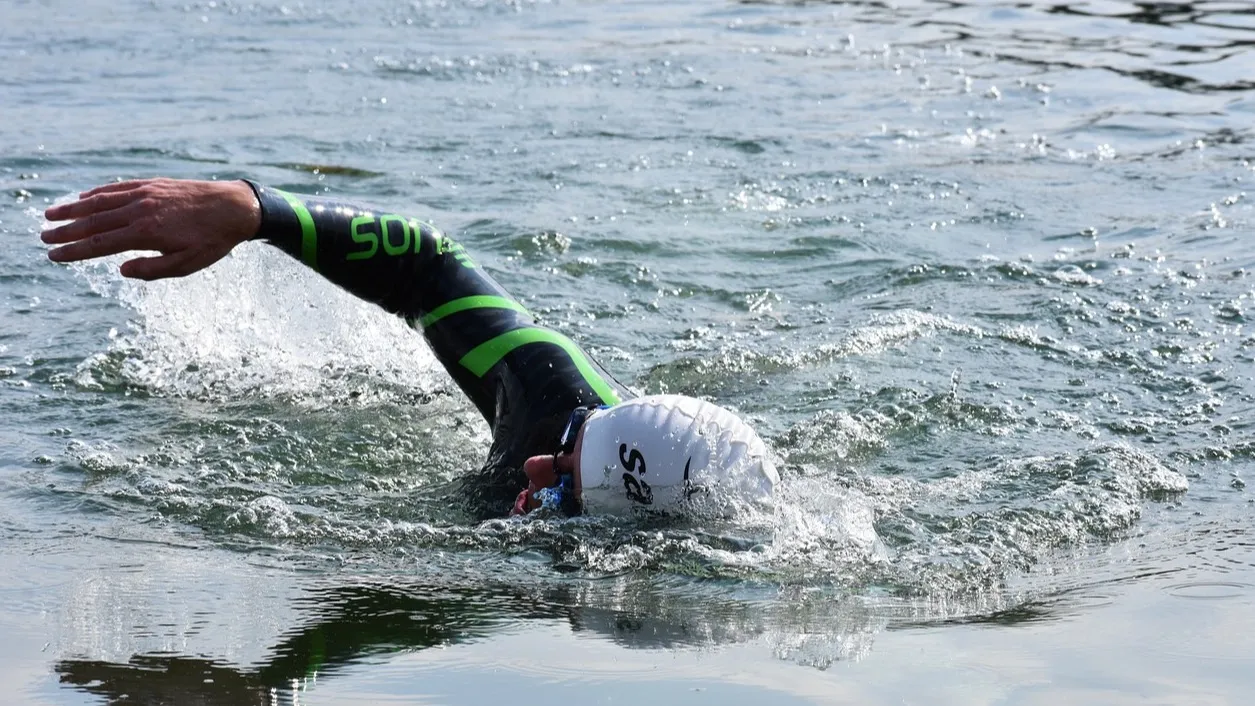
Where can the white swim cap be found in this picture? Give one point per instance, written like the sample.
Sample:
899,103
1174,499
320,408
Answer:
656,450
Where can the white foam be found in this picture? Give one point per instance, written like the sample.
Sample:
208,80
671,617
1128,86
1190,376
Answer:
256,322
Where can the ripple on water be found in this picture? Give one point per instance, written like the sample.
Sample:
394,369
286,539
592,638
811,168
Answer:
1211,590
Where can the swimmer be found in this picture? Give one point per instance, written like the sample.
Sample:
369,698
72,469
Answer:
566,436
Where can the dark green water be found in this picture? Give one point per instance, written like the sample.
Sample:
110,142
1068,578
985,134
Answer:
980,272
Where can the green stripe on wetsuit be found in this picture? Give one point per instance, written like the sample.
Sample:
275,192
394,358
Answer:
481,359
309,233
475,302
487,354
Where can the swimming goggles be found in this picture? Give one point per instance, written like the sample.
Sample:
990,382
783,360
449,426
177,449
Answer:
562,496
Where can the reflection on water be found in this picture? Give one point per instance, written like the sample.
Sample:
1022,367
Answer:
344,625
371,623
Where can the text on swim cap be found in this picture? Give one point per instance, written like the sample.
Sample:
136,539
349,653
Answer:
637,489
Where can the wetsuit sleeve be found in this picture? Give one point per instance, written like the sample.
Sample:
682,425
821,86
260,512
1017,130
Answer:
405,265
411,269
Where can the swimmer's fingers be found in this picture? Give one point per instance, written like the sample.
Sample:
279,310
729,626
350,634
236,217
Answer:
97,200
179,264
107,197
100,244
92,217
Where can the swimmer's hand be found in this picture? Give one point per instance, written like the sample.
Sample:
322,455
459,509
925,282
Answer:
193,224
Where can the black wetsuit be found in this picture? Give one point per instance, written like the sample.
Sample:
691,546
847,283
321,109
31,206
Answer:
524,378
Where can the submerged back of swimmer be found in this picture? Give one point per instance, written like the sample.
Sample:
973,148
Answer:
566,435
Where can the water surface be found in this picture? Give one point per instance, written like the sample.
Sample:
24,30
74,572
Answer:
979,272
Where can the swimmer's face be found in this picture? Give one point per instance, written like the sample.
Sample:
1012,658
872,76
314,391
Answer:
541,475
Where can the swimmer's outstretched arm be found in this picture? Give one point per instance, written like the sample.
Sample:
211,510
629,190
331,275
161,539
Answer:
406,266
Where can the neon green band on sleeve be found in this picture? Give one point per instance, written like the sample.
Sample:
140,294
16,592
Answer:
487,354
476,302
309,234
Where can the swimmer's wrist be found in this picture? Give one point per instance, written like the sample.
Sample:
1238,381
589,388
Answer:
252,200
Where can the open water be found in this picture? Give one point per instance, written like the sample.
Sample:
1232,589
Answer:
982,273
